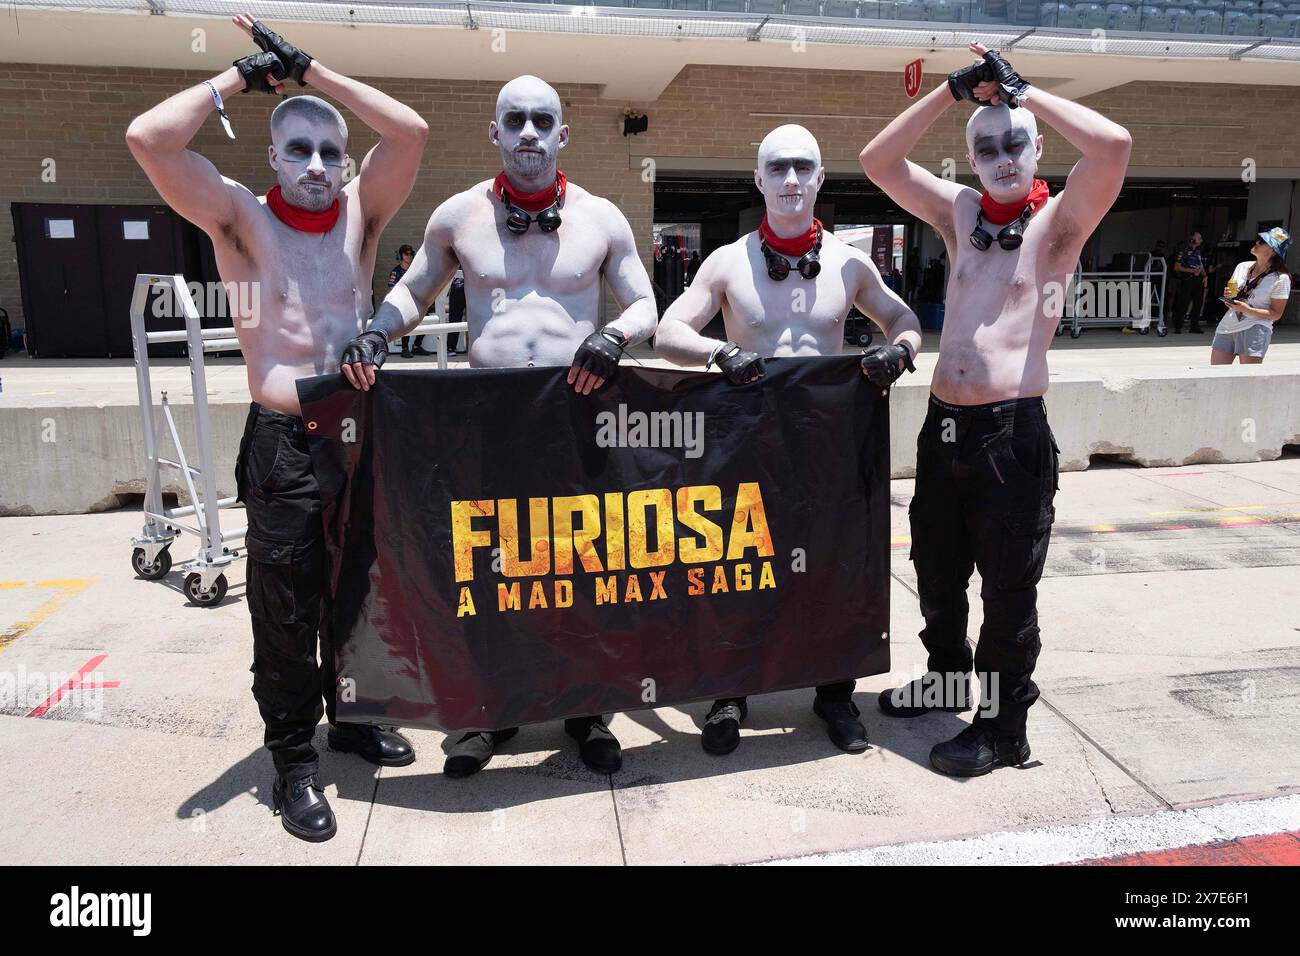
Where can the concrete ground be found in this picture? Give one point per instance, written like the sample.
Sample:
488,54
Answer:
57,383
1170,678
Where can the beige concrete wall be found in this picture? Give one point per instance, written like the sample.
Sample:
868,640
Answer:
1149,417
708,115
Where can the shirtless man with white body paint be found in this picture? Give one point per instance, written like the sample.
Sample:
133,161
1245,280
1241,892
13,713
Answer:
306,251
533,248
802,313
987,463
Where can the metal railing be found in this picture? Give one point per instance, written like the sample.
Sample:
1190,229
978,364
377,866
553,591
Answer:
1267,29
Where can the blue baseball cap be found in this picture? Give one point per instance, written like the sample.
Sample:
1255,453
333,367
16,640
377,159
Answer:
1277,239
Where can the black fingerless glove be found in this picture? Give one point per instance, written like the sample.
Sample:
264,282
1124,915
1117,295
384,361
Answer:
881,364
600,352
368,348
962,83
738,365
256,67
1014,88
295,61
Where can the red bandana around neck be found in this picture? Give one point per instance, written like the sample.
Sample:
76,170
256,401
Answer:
531,202
304,220
793,245
1002,213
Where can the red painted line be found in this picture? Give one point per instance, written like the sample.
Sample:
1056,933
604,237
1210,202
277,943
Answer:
1276,849
71,682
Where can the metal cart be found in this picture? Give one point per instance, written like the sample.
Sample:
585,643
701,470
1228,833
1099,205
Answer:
205,582
1145,283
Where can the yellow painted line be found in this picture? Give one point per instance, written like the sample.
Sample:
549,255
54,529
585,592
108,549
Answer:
1274,519
1201,511
65,589
10,585
44,393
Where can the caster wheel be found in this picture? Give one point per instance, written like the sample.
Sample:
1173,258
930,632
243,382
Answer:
1146,331
1162,332
194,590
864,339
151,572
1075,333
1060,329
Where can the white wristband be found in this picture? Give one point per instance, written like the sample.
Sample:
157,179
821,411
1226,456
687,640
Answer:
221,108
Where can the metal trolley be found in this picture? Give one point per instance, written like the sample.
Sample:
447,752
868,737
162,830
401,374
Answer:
205,581
1148,310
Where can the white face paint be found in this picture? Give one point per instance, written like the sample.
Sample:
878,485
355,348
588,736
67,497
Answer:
529,129
1004,149
789,173
309,158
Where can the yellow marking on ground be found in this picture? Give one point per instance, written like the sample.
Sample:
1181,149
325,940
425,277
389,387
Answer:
10,585
1246,519
1102,528
1202,511
44,393
65,589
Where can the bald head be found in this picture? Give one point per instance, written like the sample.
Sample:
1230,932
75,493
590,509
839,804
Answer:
308,151
529,130
1004,148
789,140
995,120
529,92
313,109
789,174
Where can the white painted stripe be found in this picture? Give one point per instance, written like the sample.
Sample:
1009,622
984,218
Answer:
1089,840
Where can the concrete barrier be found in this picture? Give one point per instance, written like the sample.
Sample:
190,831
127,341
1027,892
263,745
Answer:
72,460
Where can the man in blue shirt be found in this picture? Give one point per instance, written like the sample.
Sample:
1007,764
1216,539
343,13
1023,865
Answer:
1189,275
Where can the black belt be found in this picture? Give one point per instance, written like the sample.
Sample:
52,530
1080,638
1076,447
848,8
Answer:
1007,410
277,419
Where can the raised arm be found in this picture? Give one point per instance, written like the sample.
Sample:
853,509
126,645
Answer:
386,175
188,182
1096,179
407,302
919,191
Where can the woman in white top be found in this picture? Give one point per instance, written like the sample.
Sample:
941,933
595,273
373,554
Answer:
1255,296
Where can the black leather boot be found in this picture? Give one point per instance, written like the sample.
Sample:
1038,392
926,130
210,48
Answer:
842,724
472,752
599,749
931,692
721,733
382,746
977,750
303,809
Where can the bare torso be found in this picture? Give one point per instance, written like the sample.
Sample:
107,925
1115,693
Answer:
307,295
530,299
1002,310
794,316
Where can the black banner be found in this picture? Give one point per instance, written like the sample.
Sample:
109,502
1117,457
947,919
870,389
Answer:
504,551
